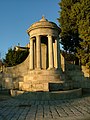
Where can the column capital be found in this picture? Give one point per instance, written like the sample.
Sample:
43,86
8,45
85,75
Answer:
32,38
49,36
38,37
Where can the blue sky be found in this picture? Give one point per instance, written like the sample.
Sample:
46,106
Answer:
16,16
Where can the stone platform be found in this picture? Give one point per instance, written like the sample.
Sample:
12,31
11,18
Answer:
26,109
38,80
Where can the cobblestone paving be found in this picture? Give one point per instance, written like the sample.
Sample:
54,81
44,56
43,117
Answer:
25,109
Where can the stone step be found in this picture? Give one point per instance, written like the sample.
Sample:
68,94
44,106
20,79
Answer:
56,86
55,95
53,77
44,72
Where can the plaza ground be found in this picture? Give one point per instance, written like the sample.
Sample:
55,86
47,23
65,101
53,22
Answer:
23,108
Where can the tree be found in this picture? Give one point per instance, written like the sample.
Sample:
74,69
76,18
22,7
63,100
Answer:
15,57
81,12
75,22
84,32
69,32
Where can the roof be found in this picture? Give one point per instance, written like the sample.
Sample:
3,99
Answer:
43,23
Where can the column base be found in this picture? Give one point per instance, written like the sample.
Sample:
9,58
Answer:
31,69
51,68
38,68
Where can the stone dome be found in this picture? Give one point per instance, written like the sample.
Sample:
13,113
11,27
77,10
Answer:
43,24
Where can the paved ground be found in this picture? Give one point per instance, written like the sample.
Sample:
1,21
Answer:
25,109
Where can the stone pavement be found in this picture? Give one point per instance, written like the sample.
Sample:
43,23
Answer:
25,109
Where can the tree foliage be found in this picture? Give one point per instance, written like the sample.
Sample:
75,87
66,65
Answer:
68,56
84,32
15,57
75,28
69,29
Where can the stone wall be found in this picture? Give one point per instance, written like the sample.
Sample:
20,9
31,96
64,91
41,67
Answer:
12,75
79,75
0,80
86,71
20,69
62,62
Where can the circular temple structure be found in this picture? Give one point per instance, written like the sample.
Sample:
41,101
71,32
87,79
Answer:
44,79
44,62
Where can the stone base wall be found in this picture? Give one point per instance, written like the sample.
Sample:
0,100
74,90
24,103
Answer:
12,75
86,71
38,80
18,76
18,70
79,76
27,86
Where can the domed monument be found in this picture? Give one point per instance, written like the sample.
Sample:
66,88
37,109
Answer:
43,73
44,45
44,57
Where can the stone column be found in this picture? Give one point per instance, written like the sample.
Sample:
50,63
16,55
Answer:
50,50
62,63
31,54
38,51
56,53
